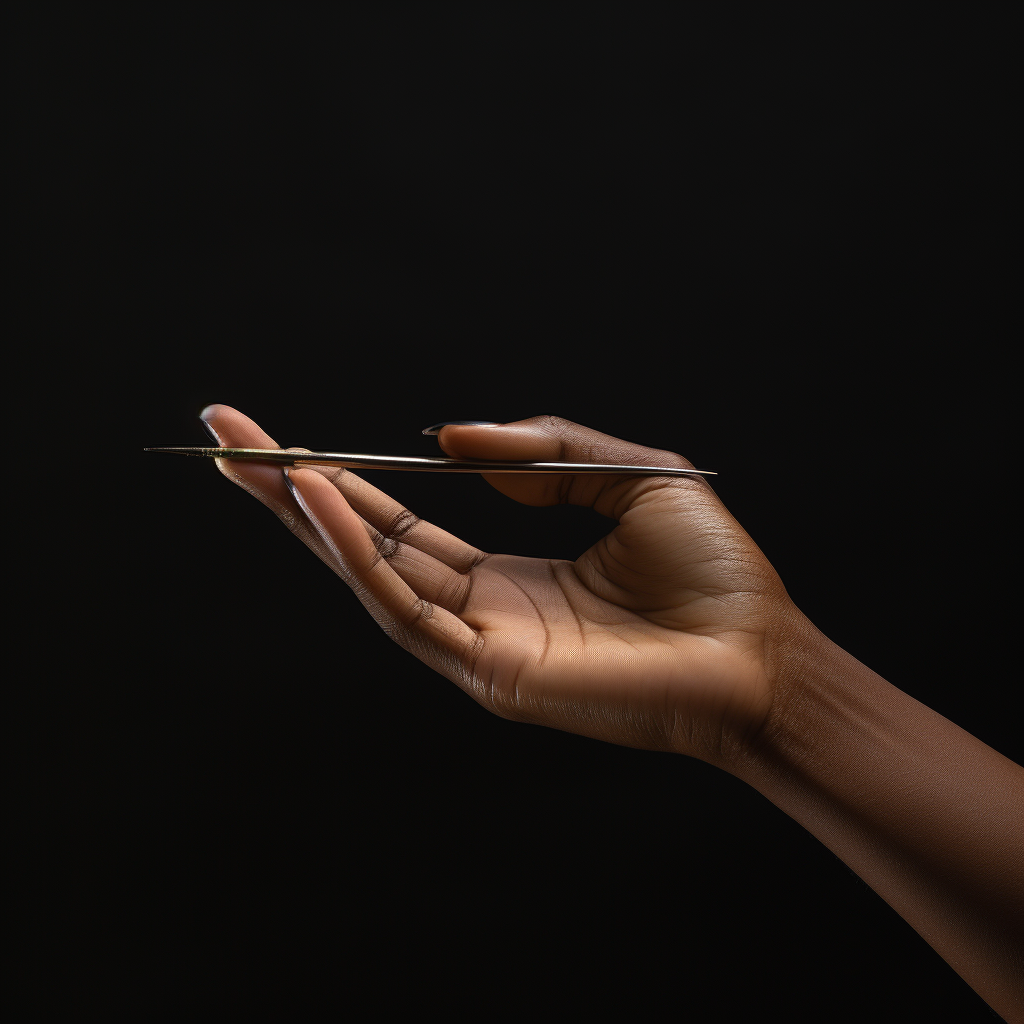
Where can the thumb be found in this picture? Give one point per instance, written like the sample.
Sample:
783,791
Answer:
553,439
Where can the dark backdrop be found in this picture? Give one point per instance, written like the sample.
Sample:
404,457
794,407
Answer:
767,236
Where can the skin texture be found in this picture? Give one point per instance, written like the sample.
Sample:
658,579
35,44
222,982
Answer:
674,633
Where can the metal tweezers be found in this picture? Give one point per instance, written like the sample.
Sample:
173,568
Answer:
427,465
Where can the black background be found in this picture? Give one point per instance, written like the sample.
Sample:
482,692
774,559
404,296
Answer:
770,237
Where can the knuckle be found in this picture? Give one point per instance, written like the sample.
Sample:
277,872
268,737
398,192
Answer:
672,460
418,612
402,523
386,546
556,424
558,428
551,426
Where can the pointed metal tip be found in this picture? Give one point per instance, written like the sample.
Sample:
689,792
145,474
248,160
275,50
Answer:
183,451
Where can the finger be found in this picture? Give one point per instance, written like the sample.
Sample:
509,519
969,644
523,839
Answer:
553,439
394,522
230,428
233,429
433,633
667,525
430,578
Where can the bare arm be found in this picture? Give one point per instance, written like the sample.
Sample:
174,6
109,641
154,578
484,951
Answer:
674,633
928,815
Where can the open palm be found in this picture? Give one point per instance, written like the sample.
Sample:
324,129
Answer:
659,636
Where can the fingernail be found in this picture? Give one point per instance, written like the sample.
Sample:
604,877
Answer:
291,487
325,537
459,423
340,565
208,428
299,500
303,507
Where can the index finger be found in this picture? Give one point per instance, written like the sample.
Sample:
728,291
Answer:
386,516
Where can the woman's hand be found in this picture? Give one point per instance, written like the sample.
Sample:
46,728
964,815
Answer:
673,632
662,635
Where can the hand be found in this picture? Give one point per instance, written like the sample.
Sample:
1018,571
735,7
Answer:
674,633
662,635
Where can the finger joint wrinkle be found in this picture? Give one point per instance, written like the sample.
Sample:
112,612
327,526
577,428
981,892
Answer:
402,523
419,612
386,546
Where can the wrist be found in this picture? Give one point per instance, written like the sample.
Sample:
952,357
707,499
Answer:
820,696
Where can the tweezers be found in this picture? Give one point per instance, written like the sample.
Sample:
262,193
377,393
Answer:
427,465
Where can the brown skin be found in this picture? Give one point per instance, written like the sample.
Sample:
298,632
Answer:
675,633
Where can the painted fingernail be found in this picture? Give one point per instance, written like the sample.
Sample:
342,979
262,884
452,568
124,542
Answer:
459,423
207,427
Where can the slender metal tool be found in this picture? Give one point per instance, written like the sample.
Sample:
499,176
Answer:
427,465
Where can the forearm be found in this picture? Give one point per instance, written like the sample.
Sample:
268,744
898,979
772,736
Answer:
928,815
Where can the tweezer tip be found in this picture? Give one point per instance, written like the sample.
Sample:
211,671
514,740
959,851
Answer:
180,451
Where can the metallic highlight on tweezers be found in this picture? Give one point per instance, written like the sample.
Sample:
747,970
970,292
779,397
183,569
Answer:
425,465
